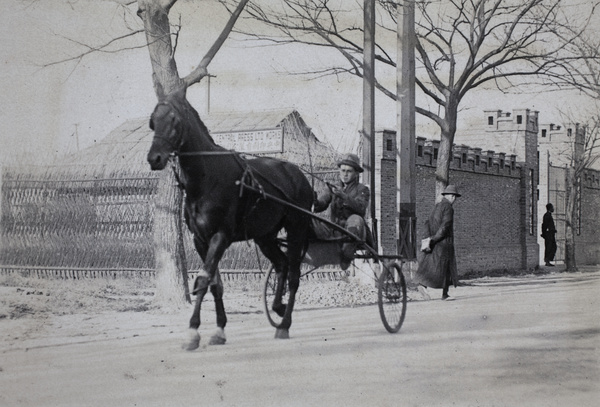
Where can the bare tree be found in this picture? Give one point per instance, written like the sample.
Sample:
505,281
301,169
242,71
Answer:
582,152
162,40
168,239
461,45
580,70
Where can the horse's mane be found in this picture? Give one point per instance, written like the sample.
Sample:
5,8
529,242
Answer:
199,121
181,103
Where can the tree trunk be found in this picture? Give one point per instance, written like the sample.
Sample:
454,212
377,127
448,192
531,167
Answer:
442,172
570,216
155,15
168,234
169,253
171,270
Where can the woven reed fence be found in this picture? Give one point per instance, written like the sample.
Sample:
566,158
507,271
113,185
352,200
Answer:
52,220
60,223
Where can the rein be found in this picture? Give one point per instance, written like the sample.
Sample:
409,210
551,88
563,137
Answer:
248,175
244,167
206,153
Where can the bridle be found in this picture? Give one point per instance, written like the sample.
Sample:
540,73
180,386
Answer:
175,146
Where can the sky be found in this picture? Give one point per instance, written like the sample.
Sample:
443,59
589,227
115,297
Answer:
51,111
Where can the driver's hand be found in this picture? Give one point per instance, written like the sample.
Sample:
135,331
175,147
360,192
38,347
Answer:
338,192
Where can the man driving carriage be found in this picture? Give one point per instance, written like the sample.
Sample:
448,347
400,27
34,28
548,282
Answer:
348,200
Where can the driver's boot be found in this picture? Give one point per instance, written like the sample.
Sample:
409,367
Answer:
348,250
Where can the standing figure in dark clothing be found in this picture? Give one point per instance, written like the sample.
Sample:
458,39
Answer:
349,200
549,235
437,266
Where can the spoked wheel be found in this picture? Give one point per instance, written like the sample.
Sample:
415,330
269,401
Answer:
367,268
392,297
269,289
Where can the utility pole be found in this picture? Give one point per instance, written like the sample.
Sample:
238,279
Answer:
368,132
77,135
208,95
405,166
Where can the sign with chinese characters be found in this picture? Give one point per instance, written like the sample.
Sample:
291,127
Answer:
255,141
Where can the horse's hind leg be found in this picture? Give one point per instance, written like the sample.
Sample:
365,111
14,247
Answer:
217,291
271,250
288,267
281,270
294,256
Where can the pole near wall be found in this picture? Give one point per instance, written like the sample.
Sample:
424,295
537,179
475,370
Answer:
368,132
405,176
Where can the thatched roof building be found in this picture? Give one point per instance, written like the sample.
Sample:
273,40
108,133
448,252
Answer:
93,210
124,149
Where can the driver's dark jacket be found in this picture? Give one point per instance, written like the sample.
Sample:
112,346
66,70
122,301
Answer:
355,204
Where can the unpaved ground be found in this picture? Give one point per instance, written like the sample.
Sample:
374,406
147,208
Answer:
29,307
531,340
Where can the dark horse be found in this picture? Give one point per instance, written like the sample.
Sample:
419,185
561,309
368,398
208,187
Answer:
220,211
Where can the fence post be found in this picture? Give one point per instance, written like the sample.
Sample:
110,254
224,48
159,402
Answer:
1,197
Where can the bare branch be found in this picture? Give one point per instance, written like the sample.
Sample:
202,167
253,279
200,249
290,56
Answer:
201,71
103,48
114,45
461,44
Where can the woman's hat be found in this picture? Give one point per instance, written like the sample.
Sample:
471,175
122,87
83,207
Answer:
451,190
352,160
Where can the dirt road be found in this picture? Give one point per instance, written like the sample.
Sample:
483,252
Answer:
532,341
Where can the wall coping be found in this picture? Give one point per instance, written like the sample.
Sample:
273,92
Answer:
471,159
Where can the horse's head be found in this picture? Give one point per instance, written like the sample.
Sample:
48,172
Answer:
166,123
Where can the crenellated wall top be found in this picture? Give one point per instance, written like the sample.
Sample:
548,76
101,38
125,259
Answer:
469,158
591,179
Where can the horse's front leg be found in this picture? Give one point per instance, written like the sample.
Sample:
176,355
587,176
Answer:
217,291
193,336
206,277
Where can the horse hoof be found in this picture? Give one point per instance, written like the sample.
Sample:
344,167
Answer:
193,340
282,334
279,309
218,338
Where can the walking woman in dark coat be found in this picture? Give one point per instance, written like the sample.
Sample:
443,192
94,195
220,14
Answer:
549,235
437,265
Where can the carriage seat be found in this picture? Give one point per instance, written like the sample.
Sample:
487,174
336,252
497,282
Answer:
318,233
326,248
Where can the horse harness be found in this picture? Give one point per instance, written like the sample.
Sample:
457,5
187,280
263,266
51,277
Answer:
248,178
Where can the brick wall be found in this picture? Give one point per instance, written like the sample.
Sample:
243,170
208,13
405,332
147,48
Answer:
388,218
587,242
491,219
385,154
487,224
516,134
